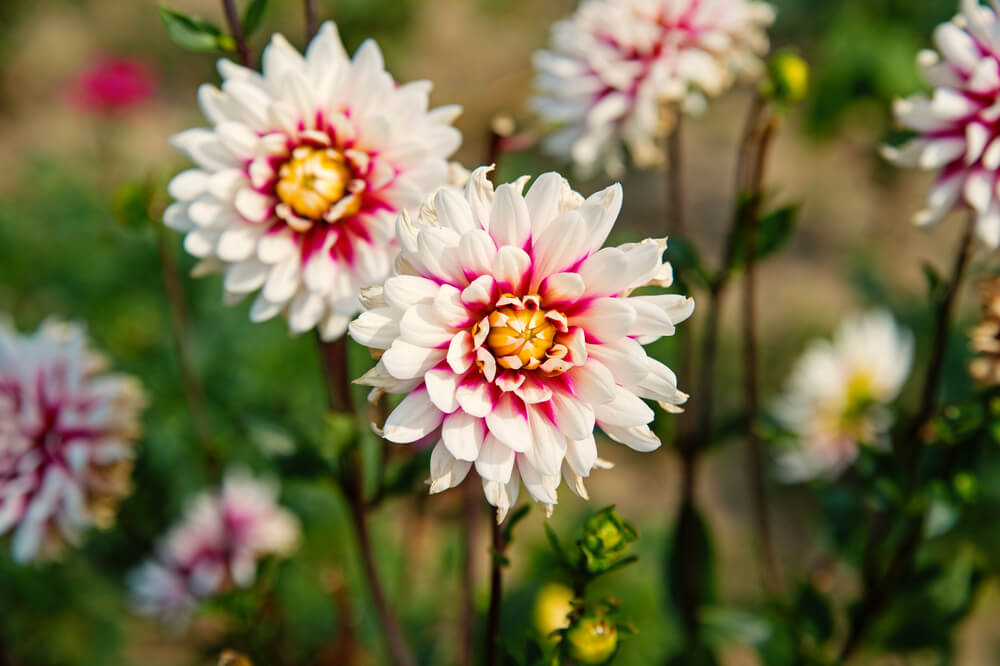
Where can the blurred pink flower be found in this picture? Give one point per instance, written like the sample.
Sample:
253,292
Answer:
111,84
215,547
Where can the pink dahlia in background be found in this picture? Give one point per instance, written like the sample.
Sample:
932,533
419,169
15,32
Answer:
617,68
301,175
215,547
513,333
67,431
956,127
113,83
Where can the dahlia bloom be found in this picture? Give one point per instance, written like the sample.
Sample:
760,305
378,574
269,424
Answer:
113,84
302,174
957,132
838,394
617,67
512,333
215,547
67,431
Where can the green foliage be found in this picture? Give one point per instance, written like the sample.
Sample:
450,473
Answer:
606,538
771,232
195,34
253,15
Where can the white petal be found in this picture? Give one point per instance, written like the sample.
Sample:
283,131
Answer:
495,461
509,423
509,223
463,434
625,411
415,417
442,386
408,361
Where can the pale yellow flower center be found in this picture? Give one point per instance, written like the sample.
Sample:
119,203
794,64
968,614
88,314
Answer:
524,334
313,180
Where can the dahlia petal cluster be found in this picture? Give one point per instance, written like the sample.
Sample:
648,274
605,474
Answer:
513,333
956,126
301,175
617,67
67,432
215,547
838,394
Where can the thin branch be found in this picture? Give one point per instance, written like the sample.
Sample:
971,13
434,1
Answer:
236,28
470,521
310,11
675,180
194,393
333,357
751,396
880,590
492,636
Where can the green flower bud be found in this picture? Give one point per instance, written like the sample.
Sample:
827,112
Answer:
553,606
605,539
787,78
593,639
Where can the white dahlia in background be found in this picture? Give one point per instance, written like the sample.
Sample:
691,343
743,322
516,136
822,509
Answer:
300,177
838,394
513,333
618,67
67,432
957,130
215,547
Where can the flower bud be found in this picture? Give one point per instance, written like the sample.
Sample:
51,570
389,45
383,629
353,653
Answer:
593,639
605,538
552,608
787,78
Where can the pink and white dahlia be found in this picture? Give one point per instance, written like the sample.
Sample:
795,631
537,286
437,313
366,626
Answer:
618,68
301,175
957,127
215,547
67,431
512,334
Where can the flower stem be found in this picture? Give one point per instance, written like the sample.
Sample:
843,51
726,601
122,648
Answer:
236,28
496,596
470,521
751,398
333,357
676,223
310,11
879,590
191,383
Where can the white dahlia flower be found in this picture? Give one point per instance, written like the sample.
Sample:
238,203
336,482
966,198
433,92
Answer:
617,67
67,432
512,333
215,547
838,394
956,127
301,175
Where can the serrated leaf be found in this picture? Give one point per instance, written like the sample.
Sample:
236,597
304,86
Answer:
253,16
193,33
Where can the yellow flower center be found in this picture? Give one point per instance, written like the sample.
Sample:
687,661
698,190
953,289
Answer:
522,334
313,180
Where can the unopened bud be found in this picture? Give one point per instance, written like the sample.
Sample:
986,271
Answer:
593,639
787,78
552,608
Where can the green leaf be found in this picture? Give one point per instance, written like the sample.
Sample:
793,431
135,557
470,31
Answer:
517,516
131,202
253,16
405,476
560,552
686,261
773,231
340,433
195,34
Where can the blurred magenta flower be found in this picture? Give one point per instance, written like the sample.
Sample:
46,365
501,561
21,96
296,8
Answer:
113,83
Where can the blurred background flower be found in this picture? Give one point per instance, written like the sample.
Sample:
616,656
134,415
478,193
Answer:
113,84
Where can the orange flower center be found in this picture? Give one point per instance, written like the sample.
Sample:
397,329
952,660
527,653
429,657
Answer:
313,180
521,334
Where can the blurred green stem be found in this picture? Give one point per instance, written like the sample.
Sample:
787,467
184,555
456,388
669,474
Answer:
492,636
675,179
336,371
879,587
766,126
236,28
194,393
310,12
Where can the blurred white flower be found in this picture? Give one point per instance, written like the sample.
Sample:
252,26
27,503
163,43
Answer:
302,174
837,396
216,546
67,432
956,127
512,334
617,67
